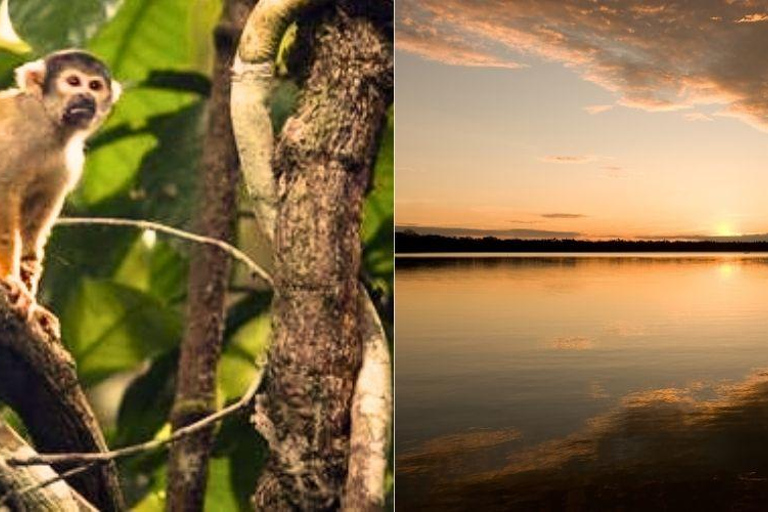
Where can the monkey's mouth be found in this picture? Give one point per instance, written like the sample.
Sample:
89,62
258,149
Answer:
80,111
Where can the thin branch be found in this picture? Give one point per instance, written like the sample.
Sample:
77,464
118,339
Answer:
102,457
162,228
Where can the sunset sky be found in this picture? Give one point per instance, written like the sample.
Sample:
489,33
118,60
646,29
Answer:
583,118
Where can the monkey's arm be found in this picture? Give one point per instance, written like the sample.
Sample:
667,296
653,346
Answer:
11,185
39,212
9,231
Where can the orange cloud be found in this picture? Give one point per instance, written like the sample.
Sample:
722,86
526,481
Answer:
698,116
568,159
753,18
598,109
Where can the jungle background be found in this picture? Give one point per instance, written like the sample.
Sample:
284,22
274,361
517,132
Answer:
121,293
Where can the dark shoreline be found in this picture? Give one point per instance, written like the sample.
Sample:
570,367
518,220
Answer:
410,243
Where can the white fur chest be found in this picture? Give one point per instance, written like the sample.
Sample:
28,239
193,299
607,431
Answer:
74,158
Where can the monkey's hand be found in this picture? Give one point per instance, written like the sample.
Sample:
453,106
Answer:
26,306
47,321
21,300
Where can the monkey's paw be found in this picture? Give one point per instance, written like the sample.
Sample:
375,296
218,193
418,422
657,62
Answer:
26,306
46,320
20,299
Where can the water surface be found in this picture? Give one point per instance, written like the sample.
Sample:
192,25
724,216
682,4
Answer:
582,382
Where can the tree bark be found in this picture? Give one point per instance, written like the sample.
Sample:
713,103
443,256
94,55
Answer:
371,419
38,381
323,162
209,277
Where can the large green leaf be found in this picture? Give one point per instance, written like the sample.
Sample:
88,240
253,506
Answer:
50,25
155,134
158,34
378,215
8,62
147,402
219,494
154,267
245,452
237,366
110,327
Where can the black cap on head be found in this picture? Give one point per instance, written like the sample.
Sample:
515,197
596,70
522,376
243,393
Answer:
79,59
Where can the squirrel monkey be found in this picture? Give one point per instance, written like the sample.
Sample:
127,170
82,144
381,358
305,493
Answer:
59,102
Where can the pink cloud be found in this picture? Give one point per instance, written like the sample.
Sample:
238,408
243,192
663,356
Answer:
455,53
654,55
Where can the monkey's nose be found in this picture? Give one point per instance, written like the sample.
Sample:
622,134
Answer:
80,110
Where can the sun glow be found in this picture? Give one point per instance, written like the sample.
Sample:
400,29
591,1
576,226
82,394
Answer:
724,229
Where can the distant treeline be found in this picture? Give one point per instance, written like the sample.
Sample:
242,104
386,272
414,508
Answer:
410,242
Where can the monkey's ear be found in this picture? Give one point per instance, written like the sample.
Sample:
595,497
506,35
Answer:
30,76
117,90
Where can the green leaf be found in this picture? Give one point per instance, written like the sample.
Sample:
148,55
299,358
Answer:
150,490
151,172
155,268
158,34
49,26
378,218
237,367
111,170
147,402
8,62
238,443
110,327
169,174
219,494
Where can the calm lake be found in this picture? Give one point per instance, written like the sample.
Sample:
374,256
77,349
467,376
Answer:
582,382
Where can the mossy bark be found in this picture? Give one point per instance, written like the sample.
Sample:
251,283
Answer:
322,162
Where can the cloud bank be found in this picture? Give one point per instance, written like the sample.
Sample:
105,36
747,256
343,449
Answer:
654,55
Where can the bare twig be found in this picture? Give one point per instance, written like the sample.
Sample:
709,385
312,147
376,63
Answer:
102,457
162,228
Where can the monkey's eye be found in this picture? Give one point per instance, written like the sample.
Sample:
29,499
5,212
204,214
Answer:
95,85
73,80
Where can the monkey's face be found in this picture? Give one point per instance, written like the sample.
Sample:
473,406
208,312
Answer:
75,87
85,98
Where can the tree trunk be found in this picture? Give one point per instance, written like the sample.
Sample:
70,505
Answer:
323,162
208,280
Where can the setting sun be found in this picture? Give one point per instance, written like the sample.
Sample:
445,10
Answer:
724,229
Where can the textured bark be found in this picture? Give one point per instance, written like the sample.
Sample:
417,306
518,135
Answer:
23,489
209,276
38,381
323,162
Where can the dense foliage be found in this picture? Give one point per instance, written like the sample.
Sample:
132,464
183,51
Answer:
120,293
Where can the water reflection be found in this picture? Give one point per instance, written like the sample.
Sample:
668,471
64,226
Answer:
659,450
582,383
